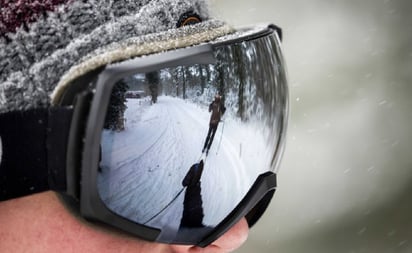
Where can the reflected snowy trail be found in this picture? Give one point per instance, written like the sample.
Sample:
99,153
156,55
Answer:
158,146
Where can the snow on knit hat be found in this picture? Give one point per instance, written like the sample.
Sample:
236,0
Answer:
44,44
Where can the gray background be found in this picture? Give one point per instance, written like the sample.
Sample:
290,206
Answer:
346,177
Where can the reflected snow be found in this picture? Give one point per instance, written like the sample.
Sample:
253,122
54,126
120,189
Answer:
183,145
143,166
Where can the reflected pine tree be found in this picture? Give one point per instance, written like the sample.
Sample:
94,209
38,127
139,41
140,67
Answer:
115,112
152,79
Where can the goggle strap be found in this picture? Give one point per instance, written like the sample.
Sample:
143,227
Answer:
33,151
57,142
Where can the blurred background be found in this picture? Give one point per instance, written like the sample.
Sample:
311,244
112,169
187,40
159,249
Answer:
345,182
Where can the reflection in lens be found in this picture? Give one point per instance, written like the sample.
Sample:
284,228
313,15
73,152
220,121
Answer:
182,146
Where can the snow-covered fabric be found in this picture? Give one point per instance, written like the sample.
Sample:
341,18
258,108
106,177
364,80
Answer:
63,37
15,14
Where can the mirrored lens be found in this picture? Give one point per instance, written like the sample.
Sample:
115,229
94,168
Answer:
182,146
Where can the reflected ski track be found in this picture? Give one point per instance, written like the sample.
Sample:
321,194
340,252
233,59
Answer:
143,167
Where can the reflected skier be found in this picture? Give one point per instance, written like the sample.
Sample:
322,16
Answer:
218,109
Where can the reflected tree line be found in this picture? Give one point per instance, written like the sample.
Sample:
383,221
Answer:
243,75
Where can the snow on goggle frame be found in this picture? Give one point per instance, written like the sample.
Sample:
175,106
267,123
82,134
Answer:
176,147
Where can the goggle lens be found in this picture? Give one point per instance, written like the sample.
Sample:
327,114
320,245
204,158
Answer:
173,160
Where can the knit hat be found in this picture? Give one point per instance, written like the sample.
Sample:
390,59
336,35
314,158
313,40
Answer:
44,44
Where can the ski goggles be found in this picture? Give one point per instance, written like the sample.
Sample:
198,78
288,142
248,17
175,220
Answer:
132,145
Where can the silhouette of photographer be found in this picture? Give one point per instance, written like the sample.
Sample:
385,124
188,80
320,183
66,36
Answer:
192,204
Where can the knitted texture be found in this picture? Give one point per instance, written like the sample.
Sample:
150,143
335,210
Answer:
41,48
15,14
